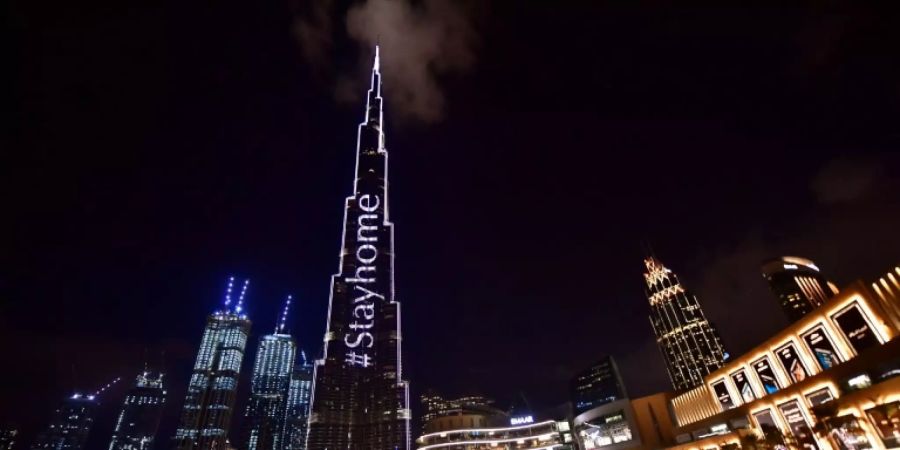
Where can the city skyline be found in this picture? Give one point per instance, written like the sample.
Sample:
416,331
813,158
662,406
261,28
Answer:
152,160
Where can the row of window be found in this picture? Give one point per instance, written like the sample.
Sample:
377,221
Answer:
817,341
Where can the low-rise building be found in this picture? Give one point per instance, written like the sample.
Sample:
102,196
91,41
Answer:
826,382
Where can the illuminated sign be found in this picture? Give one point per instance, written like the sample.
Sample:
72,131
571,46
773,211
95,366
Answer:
721,391
856,328
766,375
521,420
797,424
791,362
359,338
743,386
821,347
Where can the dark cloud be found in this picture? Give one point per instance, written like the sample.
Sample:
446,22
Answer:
839,235
420,42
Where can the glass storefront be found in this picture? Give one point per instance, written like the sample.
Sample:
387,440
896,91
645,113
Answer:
798,425
886,420
605,430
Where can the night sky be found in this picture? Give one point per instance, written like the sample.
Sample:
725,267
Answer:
152,150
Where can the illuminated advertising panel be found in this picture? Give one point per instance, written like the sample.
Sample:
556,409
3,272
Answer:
820,396
743,386
797,423
766,375
721,391
790,360
765,421
821,347
855,328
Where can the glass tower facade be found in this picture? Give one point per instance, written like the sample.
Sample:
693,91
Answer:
360,400
209,403
689,343
798,285
70,425
297,411
597,385
265,417
141,412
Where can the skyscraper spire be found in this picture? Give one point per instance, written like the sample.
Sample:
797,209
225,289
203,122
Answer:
360,399
228,292
282,321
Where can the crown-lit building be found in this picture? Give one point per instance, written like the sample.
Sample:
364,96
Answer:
138,421
689,343
798,285
360,400
270,383
297,410
209,403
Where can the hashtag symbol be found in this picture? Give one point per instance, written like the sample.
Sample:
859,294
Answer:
356,359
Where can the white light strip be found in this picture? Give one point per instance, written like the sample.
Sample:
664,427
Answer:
492,442
488,430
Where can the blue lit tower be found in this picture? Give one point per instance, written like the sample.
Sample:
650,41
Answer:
689,343
141,412
360,400
71,422
212,389
265,416
297,413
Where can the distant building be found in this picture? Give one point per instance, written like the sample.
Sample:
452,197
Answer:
597,385
209,403
70,425
798,285
829,381
141,412
689,343
436,406
8,438
270,383
297,408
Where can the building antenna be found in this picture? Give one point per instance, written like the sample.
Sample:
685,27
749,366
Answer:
240,303
104,388
282,321
228,292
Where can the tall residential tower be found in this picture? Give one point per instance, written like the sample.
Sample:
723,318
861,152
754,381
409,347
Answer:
689,343
297,411
798,284
71,422
141,412
269,386
360,400
209,403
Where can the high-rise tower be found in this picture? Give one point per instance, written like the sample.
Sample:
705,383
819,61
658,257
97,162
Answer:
141,412
360,400
71,422
297,411
597,385
798,284
211,392
265,416
689,343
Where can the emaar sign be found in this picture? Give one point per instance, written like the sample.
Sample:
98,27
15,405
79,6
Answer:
522,420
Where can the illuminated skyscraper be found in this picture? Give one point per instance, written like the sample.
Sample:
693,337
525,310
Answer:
71,422
689,343
798,284
297,411
265,416
139,420
360,400
211,392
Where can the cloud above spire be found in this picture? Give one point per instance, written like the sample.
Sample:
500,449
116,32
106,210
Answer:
420,42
